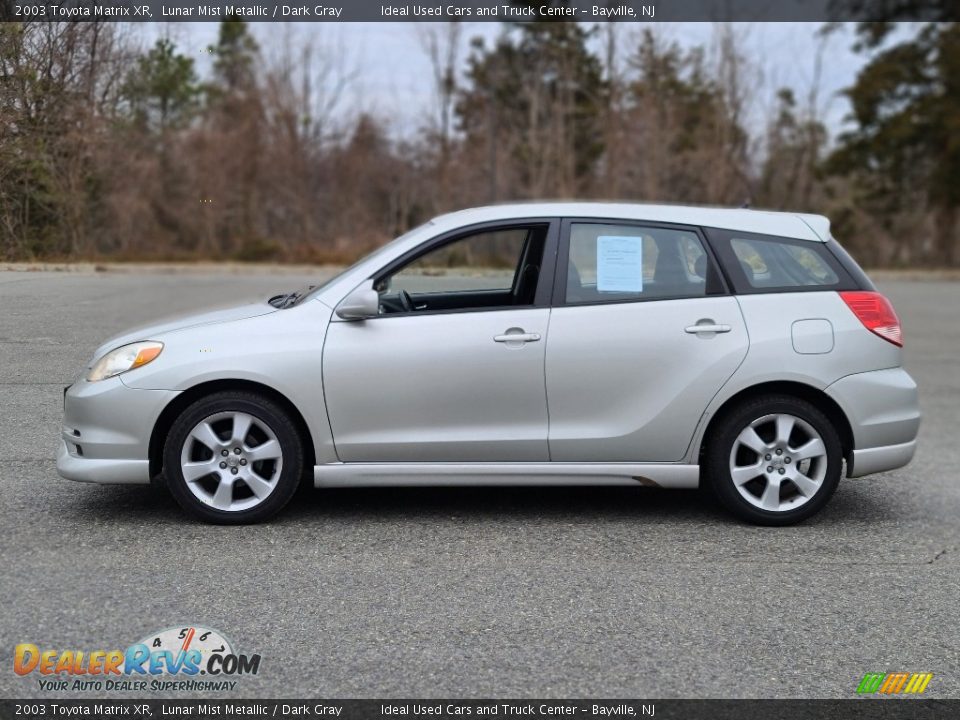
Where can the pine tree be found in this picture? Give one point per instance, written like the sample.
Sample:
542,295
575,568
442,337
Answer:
906,140
534,103
163,91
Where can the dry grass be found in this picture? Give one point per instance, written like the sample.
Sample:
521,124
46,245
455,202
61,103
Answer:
173,268
327,268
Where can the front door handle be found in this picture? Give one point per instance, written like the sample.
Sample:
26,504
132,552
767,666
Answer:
516,335
707,326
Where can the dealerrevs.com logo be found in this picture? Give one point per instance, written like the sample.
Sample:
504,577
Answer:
182,658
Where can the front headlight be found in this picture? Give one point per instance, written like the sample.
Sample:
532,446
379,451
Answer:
121,359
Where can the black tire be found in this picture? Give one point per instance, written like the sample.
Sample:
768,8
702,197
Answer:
265,411
721,444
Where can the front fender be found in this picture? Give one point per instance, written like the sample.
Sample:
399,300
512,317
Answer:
282,350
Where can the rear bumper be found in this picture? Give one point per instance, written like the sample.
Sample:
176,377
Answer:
880,459
884,413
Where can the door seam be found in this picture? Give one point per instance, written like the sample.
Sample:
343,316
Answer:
546,394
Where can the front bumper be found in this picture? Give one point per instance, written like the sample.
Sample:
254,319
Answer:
884,413
105,472
106,431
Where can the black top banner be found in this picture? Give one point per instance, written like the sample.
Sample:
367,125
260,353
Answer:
593,11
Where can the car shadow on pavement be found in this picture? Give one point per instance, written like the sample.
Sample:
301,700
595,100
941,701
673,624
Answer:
652,506
490,503
417,504
851,505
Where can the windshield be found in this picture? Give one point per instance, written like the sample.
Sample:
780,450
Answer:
315,290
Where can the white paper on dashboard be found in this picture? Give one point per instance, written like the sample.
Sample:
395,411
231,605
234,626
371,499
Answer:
619,263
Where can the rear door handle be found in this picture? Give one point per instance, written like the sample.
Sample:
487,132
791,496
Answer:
517,336
707,327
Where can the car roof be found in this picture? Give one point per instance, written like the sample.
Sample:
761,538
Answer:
801,226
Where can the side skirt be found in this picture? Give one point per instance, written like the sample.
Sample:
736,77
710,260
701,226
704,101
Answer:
667,475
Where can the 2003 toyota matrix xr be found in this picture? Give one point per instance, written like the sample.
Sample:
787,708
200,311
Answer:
550,343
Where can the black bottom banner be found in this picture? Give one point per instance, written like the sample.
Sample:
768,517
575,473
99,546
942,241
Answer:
854,709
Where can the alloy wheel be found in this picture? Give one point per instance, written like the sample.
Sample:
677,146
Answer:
778,462
231,461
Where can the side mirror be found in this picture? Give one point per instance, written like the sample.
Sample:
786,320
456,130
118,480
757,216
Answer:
362,303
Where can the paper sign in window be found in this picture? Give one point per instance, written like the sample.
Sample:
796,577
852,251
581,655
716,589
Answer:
619,264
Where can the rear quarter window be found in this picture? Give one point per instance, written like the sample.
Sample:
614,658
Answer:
763,263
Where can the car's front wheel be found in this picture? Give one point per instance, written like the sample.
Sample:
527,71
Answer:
774,460
233,457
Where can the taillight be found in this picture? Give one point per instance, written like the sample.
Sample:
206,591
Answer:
876,313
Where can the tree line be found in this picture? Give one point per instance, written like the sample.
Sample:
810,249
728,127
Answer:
107,151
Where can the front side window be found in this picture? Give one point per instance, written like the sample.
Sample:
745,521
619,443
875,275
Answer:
488,269
620,263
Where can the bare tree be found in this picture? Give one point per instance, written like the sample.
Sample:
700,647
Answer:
442,44
610,184
304,85
731,68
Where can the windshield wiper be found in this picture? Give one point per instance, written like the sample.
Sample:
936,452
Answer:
287,300
300,295
282,301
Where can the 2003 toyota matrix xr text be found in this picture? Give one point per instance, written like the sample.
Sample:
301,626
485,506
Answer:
550,343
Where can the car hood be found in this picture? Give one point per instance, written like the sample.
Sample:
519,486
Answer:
166,326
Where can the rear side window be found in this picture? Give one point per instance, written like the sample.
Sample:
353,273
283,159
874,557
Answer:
760,263
620,263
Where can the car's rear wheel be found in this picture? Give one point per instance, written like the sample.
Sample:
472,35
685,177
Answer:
774,460
232,458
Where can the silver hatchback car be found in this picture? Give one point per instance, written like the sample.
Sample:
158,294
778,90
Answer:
549,343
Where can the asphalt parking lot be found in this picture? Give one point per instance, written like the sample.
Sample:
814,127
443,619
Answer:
474,592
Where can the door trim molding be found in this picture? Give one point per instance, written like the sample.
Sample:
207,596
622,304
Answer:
666,475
